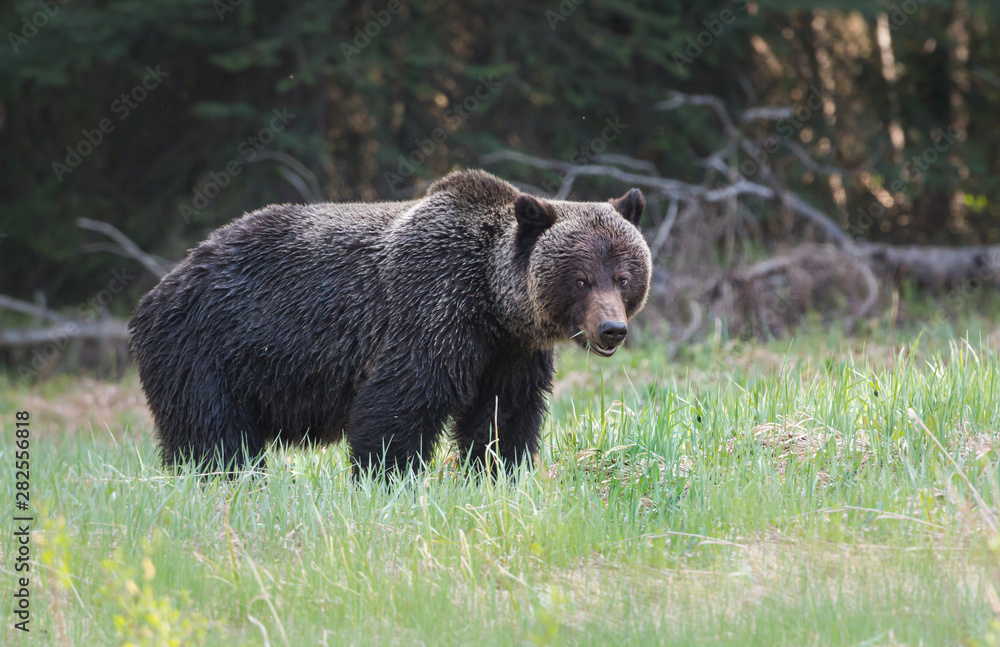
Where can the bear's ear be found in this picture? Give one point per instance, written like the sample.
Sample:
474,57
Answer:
630,206
533,215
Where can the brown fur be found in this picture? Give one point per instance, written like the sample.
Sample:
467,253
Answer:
380,322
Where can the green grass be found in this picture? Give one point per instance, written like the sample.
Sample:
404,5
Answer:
774,494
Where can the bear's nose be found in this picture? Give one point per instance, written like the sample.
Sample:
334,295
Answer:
612,333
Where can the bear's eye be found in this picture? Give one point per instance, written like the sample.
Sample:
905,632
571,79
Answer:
580,283
623,282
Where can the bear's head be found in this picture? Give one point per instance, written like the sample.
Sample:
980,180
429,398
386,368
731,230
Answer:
588,266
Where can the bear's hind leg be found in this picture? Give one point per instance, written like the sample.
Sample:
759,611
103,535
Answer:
208,428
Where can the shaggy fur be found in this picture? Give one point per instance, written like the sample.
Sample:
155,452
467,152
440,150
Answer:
380,322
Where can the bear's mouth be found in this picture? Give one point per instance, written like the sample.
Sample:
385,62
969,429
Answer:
597,349
601,350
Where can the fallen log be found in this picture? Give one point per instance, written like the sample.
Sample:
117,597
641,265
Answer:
104,330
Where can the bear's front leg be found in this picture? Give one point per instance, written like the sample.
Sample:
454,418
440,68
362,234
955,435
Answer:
504,422
400,412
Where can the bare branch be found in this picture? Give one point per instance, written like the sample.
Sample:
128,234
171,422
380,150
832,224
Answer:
857,267
628,162
772,113
306,183
936,266
297,182
765,268
986,75
871,284
715,160
110,329
530,188
678,99
675,189
566,186
740,187
825,169
678,190
102,246
16,305
817,217
663,233
695,322
766,113
156,266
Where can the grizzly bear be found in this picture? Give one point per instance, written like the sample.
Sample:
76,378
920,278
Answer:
381,322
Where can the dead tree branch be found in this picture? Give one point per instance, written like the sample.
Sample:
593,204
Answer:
675,189
295,173
825,169
766,113
105,329
663,232
768,294
64,328
678,99
155,265
16,305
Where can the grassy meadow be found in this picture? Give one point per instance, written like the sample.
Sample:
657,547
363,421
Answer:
825,490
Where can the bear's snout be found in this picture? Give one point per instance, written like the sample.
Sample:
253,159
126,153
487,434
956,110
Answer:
612,333
605,323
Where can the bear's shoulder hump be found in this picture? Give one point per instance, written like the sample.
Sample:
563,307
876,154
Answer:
475,186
